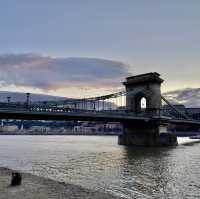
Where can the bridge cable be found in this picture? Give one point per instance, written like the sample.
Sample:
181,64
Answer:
175,109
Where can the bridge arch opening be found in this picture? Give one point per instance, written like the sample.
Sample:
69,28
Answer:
143,103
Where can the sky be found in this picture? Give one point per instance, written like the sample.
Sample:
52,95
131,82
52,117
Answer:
77,48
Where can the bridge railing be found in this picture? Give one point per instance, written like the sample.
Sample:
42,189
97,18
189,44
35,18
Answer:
15,107
113,104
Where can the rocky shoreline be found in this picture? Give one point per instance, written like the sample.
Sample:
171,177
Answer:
34,187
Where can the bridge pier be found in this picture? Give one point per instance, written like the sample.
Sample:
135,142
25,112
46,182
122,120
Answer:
146,100
152,134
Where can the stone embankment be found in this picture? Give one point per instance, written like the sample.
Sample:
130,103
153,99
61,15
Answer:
34,187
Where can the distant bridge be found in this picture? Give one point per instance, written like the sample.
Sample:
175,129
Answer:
141,108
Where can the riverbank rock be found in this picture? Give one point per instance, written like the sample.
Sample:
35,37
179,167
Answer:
34,187
16,179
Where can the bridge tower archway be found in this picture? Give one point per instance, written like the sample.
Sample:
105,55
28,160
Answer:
145,90
141,102
144,95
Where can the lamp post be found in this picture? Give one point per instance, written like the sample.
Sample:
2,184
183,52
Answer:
27,98
8,98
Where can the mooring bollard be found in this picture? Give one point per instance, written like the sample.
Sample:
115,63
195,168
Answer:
16,179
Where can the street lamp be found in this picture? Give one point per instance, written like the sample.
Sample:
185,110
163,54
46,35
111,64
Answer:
27,98
8,98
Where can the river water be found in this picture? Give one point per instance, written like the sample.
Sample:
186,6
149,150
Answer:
98,162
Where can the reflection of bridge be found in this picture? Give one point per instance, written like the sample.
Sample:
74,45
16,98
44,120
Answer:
142,110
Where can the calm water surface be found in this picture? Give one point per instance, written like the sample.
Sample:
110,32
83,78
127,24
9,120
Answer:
99,163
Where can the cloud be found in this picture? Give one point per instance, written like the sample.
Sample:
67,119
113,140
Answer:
55,73
190,97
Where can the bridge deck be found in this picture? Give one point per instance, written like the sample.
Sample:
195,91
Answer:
108,116
81,116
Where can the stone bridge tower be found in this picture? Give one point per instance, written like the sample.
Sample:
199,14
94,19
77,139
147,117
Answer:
145,93
144,99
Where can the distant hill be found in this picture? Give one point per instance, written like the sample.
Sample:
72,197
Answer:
190,97
21,97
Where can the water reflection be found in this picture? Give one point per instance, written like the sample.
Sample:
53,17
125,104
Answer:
143,172
99,163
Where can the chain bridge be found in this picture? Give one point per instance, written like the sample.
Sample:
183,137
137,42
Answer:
141,108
